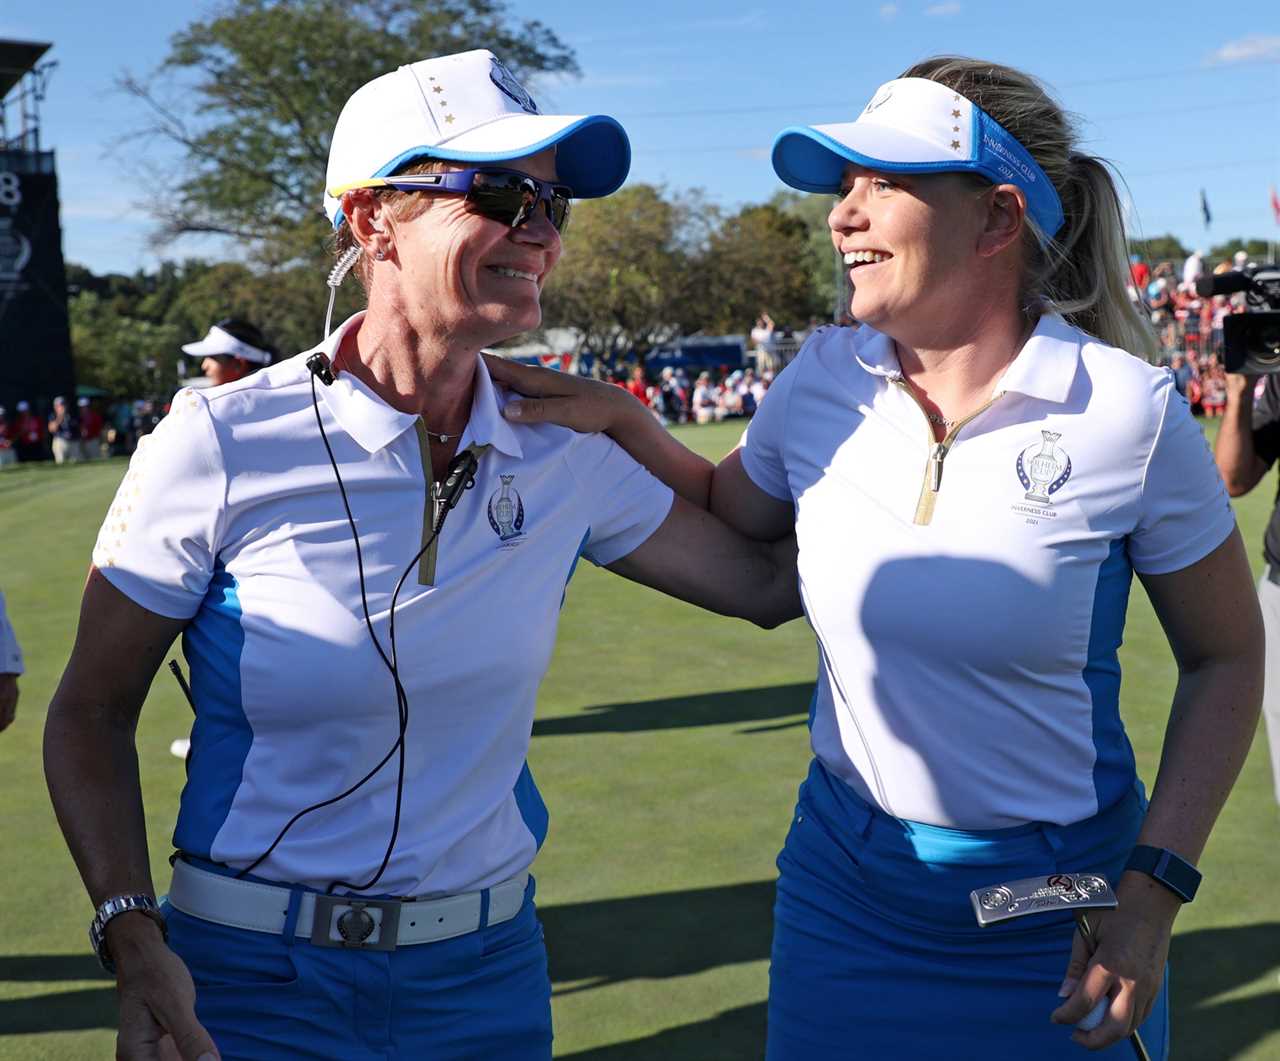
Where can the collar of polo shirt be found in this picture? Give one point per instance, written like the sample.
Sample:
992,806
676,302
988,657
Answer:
375,425
1044,367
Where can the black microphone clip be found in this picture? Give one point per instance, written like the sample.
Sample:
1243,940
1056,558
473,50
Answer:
460,477
318,365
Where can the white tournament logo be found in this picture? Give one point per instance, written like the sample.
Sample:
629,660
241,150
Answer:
506,510
506,81
879,101
15,250
1043,468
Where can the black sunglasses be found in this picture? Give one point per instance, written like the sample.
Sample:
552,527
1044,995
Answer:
504,195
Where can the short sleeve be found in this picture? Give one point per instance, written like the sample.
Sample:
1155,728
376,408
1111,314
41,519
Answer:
1184,511
10,650
625,503
1266,420
762,457
161,535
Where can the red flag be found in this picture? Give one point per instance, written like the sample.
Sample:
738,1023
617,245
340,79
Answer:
1275,204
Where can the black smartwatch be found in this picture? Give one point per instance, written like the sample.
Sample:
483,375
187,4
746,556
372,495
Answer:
1161,864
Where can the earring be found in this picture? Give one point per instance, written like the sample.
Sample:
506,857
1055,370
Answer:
380,254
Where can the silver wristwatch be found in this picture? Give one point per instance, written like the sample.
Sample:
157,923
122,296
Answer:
114,907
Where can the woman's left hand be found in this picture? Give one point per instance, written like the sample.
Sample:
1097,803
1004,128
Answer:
1127,967
571,401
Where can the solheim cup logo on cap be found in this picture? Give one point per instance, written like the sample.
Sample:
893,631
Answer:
506,511
1043,468
881,98
506,80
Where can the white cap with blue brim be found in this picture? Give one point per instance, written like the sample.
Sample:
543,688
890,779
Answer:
915,125
465,108
219,343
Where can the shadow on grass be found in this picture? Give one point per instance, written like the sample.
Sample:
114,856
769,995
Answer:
653,937
1211,962
735,1035
708,709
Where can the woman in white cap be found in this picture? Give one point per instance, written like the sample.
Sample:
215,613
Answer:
974,476
355,837
231,350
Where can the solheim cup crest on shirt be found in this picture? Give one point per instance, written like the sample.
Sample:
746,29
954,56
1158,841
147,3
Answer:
506,80
1043,468
506,511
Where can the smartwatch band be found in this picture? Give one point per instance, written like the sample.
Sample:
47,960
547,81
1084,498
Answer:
1173,871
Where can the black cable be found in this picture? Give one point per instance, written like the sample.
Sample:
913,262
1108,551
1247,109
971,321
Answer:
402,699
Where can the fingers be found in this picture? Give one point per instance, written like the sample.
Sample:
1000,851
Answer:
527,379
1119,1022
8,699
1089,990
1075,967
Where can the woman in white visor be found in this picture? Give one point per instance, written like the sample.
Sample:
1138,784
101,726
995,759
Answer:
974,476
367,562
231,350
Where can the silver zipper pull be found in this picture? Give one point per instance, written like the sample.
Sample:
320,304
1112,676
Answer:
935,466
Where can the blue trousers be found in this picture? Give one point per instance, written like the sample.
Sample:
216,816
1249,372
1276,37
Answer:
485,995
876,952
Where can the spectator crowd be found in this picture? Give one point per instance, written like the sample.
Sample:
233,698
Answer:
70,433
1189,326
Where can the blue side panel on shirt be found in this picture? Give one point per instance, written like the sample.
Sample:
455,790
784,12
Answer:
213,644
532,809
1114,768
574,566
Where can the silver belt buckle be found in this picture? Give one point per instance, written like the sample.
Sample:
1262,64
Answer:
354,922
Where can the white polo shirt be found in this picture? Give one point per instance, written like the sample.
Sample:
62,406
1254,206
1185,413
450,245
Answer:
230,516
968,674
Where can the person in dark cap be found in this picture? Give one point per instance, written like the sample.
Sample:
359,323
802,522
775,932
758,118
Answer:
64,431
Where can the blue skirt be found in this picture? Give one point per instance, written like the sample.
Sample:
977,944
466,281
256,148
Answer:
876,952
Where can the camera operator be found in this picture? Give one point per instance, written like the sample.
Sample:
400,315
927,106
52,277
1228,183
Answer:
1248,444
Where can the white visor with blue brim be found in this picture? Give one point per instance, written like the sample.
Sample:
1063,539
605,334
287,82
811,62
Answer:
914,125
465,108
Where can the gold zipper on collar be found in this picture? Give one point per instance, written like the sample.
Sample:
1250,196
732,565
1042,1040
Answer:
937,452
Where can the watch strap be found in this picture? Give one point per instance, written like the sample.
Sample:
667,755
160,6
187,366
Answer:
113,908
1162,865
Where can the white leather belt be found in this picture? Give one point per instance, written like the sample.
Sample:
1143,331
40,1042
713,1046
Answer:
339,920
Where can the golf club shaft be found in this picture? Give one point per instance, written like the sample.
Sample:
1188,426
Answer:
1086,933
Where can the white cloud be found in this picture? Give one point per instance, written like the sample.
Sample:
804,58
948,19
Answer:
941,10
1255,48
888,11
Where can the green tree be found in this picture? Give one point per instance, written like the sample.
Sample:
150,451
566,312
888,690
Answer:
827,273
1258,250
125,355
623,276
1159,249
757,259
250,97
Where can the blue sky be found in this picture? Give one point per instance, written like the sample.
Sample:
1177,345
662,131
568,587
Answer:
1179,99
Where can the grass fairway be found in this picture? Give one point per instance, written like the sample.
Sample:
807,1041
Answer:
669,744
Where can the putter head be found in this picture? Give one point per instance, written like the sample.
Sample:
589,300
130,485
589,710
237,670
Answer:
1042,895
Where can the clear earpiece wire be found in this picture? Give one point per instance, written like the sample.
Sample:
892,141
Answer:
336,275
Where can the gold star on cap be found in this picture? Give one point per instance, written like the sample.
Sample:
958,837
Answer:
955,128
437,88
955,145
954,114
444,103
448,118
